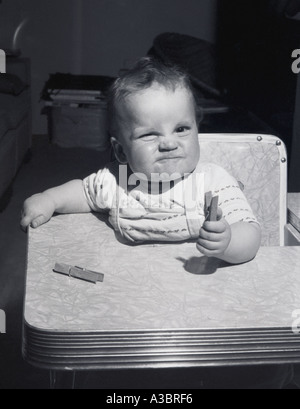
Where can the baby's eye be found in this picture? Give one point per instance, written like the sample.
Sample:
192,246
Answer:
182,129
148,136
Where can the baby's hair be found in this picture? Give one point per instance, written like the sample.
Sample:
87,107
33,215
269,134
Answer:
144,73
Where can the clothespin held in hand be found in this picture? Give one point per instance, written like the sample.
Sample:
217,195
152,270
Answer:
78,272
211,207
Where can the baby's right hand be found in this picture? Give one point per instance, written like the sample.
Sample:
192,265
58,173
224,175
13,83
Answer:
37,210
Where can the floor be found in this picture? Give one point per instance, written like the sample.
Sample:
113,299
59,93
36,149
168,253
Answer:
49,166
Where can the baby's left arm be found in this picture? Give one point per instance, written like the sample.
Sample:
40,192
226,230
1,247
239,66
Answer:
236,243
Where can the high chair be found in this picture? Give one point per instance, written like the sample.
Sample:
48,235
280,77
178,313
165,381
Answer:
259,163
165,305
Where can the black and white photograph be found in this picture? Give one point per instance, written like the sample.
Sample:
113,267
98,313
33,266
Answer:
149,197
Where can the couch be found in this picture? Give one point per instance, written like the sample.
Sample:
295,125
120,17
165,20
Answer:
15,119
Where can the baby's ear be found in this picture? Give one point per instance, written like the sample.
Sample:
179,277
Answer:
118,150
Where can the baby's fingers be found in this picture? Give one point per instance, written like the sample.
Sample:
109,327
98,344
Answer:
25,222
209,248
41,219
29,220
214,227
210,235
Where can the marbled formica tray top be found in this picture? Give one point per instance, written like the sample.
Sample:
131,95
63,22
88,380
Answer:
152,287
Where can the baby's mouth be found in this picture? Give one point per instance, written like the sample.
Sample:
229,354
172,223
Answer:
167,158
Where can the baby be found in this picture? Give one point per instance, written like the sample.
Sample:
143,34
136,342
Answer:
156,188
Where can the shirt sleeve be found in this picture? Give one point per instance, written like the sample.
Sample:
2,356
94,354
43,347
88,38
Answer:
100,188
232,201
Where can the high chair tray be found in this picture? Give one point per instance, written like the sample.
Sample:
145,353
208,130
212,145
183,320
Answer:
159,305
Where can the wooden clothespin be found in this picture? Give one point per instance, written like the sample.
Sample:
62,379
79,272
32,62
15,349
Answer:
211,207
78,272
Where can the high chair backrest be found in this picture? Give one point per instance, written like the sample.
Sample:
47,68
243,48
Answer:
259,162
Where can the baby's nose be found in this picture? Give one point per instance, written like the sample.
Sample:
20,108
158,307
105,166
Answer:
167,143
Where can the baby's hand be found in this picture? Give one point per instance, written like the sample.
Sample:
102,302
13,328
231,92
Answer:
214,237
37,209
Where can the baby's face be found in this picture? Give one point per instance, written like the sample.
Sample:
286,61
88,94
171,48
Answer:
158,132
